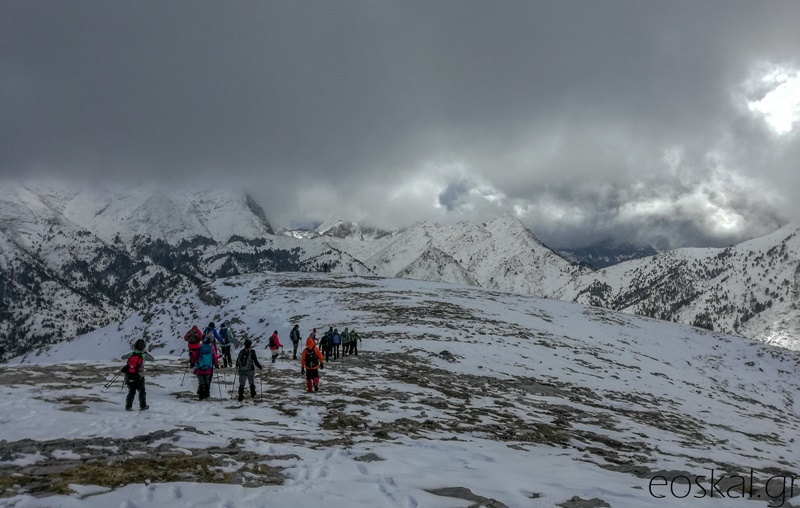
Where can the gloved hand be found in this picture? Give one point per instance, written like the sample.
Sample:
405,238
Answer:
302,370
321,365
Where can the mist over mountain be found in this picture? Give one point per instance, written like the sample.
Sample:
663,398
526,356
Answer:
75,259
606,253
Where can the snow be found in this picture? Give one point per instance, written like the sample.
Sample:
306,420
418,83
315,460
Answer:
691,399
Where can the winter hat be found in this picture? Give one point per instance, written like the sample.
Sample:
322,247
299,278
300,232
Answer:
248,342
314,330
310,343
211,325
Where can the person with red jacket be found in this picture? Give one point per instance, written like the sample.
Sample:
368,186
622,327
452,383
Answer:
194,339
310,363
275,346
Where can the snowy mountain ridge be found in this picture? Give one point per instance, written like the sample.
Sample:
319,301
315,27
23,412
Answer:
74,259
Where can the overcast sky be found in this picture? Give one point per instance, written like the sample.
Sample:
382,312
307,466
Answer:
673,123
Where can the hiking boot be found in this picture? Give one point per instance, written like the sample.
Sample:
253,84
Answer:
144,408
316,387
128,409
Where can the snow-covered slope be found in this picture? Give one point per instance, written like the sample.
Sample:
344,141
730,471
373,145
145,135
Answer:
751,289
459,396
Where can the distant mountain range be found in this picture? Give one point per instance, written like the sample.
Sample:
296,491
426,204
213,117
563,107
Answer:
74,259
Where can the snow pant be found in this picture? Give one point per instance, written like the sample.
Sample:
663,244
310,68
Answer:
294,350
275,354
226,356
354,348
250,376
204,386
327,354
336,351
312,379
136,385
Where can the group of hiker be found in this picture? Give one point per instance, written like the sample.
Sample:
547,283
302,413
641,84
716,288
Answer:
204,357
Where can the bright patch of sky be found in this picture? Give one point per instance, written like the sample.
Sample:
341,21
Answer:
780,103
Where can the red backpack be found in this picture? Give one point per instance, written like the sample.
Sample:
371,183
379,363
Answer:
135,363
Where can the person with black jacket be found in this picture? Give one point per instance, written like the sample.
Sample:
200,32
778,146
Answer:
294,336
246,363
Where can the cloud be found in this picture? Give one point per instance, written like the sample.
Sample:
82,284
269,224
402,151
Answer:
646,121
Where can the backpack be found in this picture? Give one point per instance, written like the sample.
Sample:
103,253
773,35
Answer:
193,337
325,342
206,357
272,341
225,335
311,360
245,360
134,368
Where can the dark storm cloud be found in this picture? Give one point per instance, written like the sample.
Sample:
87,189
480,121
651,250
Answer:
579,117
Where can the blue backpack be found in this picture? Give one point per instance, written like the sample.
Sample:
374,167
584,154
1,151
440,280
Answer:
206,359
337,339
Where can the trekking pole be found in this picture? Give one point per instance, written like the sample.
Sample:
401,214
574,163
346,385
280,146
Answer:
184,373
108,385
220,389
233,381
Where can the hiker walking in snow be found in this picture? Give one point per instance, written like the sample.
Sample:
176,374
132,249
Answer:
204,363
226,341
354,340
294,336
211,330
345,342
326,344
246,363
313,336
336,341
275,346
310,363
134,375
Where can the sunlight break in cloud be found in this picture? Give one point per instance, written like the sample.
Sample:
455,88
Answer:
780,105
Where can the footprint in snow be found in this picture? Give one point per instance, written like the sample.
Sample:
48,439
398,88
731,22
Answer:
177,492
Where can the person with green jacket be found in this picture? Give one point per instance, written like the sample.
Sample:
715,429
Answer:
134,375
345,342
354,340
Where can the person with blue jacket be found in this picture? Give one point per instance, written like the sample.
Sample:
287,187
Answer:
211,328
